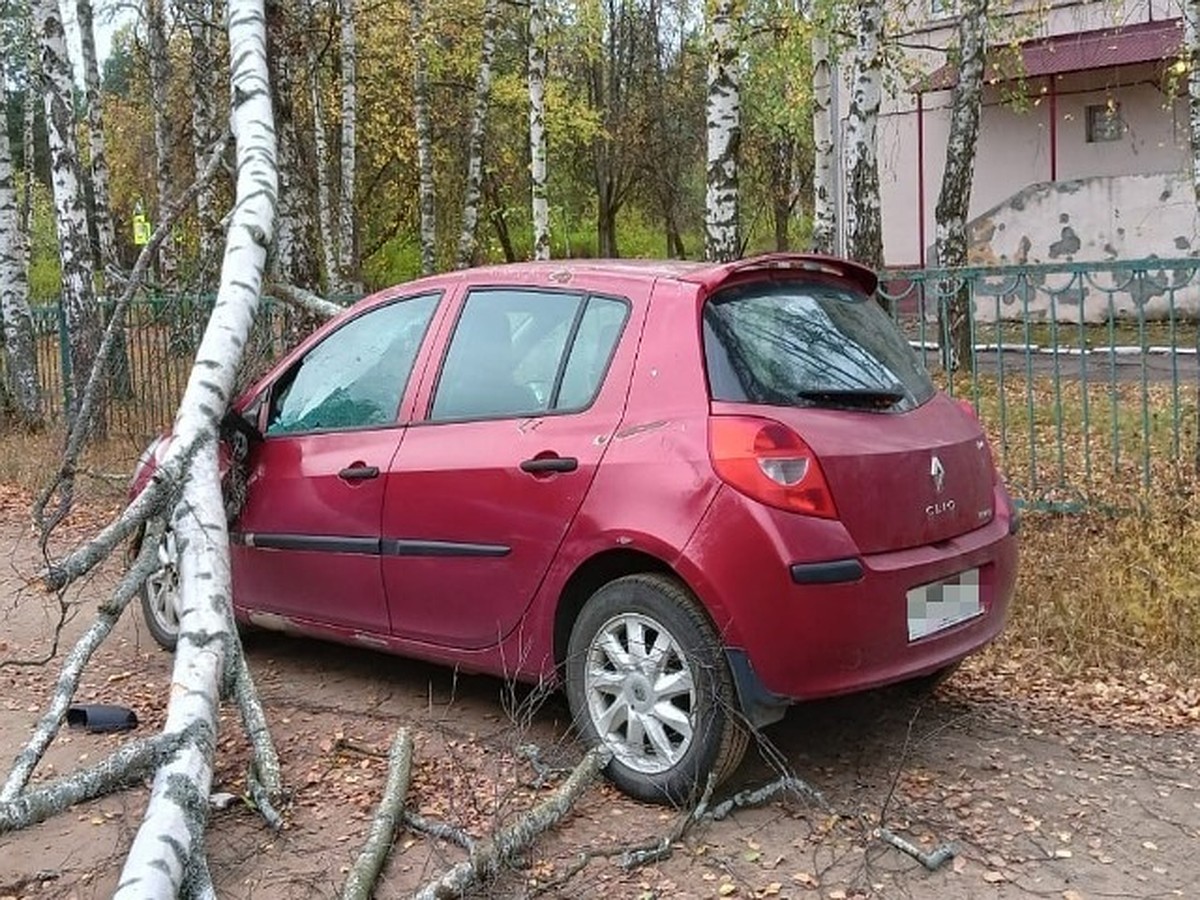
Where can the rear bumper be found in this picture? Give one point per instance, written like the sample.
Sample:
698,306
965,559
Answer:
783,592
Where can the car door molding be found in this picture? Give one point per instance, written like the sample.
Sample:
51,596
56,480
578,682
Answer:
332,543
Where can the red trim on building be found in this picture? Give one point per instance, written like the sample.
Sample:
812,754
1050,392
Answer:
1082,51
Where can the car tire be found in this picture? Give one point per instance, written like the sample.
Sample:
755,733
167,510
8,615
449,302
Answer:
645,675
160,595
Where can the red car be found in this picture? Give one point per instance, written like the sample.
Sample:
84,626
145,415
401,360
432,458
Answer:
692,494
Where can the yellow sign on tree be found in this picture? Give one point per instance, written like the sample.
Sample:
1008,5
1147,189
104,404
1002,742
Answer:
141,229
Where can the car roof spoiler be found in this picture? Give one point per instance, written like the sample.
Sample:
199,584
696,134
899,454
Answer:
713,276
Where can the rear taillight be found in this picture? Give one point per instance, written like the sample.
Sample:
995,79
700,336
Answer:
770,463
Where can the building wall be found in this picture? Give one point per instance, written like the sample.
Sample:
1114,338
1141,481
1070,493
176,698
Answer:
1015,148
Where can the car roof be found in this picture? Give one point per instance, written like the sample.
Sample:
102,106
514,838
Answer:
706,274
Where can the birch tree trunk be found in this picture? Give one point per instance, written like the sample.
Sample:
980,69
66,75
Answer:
425,187
101,207
160,77
864,217
723,116
537,128
483,88
198,15
824,233
70,213
954,199
168,848
295,259
347,245
1191,44
29,152
20,361
326,237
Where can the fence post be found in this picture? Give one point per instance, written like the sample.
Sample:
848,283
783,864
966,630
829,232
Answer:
64,359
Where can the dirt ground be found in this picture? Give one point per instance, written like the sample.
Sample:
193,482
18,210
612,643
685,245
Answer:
1072,793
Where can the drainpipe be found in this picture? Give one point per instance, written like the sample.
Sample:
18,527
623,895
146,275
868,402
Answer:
1053,127
921,176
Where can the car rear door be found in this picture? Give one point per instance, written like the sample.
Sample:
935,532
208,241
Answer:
531,387
306,544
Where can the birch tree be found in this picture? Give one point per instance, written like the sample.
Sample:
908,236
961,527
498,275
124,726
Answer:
954,199
537,129
295,259
347,244
160,77
1191,50
483,88
723,117
426,198
15,320
824,232
167,853
101,207
198,17
70,214
864,217
327,237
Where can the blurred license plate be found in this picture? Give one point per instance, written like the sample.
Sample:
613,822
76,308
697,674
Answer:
933,607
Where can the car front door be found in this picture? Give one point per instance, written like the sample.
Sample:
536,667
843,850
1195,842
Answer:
306,544
481,493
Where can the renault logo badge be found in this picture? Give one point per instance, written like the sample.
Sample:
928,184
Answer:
938,473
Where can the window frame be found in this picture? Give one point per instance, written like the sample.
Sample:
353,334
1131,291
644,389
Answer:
267,398
585,297
1099,118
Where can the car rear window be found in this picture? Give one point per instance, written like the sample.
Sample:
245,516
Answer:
809,344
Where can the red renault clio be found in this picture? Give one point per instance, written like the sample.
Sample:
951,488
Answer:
691,494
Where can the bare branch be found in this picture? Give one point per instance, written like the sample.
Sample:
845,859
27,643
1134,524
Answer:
72,670
130,764
515,838
303,300
931,861
365,871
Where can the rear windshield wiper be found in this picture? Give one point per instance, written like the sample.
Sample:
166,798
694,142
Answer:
871,398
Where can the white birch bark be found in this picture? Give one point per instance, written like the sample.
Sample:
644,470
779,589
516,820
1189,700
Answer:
954,198
537,129
160,77
864,217
326,237
70,214
27,145
347,246
824,233
483,88
15,320
294,260
199,14
168,845
425,184
723,117
101,207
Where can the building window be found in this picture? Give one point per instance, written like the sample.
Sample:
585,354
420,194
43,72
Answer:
1104,123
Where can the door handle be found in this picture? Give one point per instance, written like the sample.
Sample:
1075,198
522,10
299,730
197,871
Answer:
540,464
358,473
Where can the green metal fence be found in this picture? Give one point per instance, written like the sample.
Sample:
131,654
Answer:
151,369
1084,373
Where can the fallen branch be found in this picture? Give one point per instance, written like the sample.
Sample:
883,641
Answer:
264,778
130,764
438,830
509,842
306,301
365,871
932,860
72,670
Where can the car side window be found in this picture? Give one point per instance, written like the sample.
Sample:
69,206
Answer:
521,352
357,375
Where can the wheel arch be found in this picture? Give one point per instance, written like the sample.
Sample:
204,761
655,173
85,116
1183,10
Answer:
590,576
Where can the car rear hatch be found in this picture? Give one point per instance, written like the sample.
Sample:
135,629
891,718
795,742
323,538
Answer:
905,465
